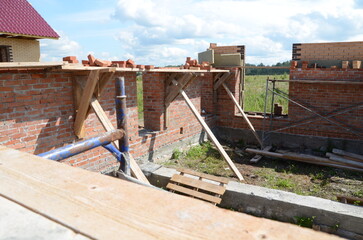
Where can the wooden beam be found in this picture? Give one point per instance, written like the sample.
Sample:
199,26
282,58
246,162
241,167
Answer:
104,79
222,79
318,81
230,94
173,91
210,133
103,207
101,115
304,158
84,103
348,154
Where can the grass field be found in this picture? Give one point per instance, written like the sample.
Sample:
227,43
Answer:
255,90
254,94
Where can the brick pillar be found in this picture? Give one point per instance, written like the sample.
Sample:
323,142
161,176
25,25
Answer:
154,95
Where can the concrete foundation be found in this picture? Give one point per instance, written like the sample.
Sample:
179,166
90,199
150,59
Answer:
330,216
291,141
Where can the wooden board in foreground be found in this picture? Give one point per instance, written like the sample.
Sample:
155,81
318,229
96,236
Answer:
102,207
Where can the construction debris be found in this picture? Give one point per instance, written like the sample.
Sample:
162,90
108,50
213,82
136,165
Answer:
330,162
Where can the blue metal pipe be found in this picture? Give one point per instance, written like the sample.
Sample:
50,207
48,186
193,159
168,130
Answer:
79,147
121,114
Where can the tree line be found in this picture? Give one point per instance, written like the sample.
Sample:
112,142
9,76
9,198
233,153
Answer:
266,71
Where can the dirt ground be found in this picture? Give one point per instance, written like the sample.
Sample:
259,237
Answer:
292,176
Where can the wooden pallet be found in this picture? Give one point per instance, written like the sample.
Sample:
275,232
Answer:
195,185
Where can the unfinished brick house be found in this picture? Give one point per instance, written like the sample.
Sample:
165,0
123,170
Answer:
48,105
37,110
20,27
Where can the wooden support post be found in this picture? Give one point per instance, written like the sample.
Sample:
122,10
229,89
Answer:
210,133
84,103
230,94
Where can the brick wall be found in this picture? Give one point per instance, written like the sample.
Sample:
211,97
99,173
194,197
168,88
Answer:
323,98
328,51
23,50
37,114
228,49
182,123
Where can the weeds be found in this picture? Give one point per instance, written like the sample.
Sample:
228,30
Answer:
305,221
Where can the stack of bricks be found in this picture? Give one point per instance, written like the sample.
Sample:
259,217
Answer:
92,61
192,64
328,51
228,49
70,59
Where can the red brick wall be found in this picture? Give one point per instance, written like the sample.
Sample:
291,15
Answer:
323,98
37,114
328,51
182,123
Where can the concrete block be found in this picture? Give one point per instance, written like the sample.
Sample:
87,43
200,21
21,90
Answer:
233,59
207,56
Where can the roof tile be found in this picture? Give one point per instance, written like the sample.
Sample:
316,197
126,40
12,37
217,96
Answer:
19,17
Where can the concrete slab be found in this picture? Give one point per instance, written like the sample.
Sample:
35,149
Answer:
333,217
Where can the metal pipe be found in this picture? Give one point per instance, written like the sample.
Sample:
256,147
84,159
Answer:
321,116
121,112
264,115
82,146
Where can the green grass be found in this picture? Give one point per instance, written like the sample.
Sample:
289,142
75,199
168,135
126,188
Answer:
254,94
202,158
140,97
255,90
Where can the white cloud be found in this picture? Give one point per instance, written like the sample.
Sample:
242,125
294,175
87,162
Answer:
163,32
55,50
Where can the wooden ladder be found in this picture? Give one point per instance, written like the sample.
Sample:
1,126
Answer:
193,184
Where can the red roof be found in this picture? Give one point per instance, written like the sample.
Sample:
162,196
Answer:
20,18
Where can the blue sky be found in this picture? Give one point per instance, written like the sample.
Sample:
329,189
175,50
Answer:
164,32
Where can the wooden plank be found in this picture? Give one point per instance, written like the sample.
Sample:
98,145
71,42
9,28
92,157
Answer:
193,193
203,175
230,94
210,187
84,103
350,200
211,135
102,207
341,159
77,95
258,157
101,115
348,154
319,81
104,79
221,80
31,64
304,158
